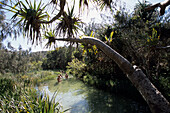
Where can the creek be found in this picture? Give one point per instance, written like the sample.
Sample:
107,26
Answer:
81,98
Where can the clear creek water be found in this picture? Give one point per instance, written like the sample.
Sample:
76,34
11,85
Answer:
81,98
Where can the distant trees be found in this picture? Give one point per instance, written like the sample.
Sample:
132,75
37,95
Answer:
6,27
2,24
13,61
58,58
20,61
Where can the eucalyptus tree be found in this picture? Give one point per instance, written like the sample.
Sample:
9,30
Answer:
33,17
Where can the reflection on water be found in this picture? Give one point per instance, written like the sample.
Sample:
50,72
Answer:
81,98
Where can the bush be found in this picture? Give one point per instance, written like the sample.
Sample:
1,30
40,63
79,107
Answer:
21,98
7,86
76,67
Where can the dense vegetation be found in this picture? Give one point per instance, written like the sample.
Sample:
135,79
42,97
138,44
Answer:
18,93
141,37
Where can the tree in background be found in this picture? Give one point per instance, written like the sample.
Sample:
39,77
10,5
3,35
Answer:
58,58
2,24
14,61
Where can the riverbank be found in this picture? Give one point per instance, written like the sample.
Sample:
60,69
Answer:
71,93
18,95
82,98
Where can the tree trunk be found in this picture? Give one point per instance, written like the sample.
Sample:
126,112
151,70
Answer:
162,5
156,101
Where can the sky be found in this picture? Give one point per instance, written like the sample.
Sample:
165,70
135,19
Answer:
86,17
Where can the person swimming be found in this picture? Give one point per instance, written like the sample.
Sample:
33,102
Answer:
66,76
59,78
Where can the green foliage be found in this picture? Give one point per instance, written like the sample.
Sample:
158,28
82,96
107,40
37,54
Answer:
5,28
7,86
162,82
87,78
58,58
15,62
137,37
46,78
23,98
38,77
140,11
30,101
153,40
69,25
19,61
50,35
42,103
76,67
35,65
29,16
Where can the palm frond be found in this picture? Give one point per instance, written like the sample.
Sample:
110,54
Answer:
103,3
14,8
50,36
83,2
69,24
29,15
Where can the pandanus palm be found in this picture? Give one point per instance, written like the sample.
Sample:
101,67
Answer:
28,16
31,23
101,3
69,24
50,36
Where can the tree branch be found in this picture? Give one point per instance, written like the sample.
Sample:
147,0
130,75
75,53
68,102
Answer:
62,4
155,100
166,48
162,5
121,61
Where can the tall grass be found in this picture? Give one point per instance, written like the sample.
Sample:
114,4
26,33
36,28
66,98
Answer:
18,94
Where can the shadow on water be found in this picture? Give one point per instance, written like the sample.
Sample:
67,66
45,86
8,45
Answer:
82,98
103,102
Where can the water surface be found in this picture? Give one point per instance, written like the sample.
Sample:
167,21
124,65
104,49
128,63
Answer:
82,98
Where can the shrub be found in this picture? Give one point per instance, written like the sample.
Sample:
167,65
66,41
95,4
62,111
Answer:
76,67
6,85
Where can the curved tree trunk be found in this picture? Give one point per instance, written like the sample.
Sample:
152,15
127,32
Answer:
155,100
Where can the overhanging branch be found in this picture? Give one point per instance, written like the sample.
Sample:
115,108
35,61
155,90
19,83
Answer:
120,60
155,100
162,5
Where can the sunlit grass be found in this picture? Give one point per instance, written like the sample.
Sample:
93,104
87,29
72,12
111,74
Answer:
19,95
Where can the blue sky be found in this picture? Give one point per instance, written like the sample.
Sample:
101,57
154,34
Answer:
86,17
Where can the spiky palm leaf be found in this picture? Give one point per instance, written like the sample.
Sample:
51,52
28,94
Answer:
50,35
29,16
83,2
69,24
101,3
54,1
140,11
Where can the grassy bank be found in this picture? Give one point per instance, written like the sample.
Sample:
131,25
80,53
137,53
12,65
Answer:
18,95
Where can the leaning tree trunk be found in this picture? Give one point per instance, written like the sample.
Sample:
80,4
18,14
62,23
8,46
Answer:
156,101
